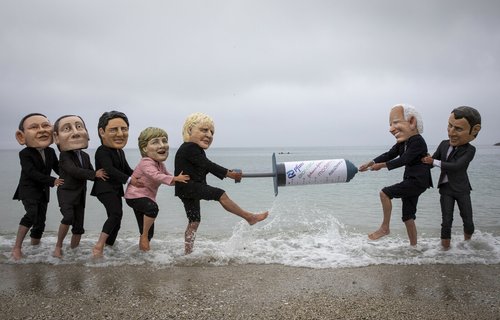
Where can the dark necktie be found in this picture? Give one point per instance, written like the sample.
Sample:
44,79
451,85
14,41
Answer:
451,153
120,157
79,155
42,154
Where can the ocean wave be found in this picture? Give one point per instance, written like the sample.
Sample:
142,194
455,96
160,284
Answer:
332,246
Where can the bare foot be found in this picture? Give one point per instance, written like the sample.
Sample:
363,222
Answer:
17,254
57,252
258,217
378,234
97,252
144,243
35,242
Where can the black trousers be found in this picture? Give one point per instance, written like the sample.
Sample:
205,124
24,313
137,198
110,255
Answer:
144,207
447,200
36,213
114,210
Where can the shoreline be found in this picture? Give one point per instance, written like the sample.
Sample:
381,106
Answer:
41,291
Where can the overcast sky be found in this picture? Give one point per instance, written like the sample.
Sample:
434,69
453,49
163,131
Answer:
270,73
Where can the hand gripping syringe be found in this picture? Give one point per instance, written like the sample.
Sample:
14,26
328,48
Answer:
308,172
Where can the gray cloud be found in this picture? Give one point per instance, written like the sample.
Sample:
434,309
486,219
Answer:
270,73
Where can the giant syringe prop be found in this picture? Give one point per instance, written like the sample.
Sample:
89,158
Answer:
307,172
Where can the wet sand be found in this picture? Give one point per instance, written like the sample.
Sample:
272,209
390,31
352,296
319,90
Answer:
39,291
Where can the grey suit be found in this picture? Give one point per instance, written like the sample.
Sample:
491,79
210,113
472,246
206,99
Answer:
457,189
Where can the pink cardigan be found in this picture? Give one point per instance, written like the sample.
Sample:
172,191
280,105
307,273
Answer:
152,174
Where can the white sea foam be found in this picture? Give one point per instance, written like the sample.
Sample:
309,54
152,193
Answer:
332,247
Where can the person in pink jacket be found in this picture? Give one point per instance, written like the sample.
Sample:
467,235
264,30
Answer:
151,170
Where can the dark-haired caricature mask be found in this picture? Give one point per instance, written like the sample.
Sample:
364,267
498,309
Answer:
115,135
71,134
460,132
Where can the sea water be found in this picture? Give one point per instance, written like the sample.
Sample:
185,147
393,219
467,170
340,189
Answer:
316,226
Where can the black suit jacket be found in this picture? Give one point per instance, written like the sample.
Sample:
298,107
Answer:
75,175
116,166
192,160
455,167
35,181
409,155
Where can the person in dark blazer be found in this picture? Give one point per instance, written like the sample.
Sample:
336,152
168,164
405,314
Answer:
406,125
453,156
71,136
191,160
37,162
113,129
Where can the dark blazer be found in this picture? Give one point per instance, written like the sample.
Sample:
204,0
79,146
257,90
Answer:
409,155
75,175
455,167
192,160
35,181
116,166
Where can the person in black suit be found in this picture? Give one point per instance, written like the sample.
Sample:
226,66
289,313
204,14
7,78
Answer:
71,136
37,162
113,131
191,160
453,157
406,126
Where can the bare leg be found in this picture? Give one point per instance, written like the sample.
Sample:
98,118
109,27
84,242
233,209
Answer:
189,236
61,234
411,229
232,207
445,243
144,241
387,210
21,234
467,236
75,240
35,242
98,249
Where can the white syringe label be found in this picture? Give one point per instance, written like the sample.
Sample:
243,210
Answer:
315,172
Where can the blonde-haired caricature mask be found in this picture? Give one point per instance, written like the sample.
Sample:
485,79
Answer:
153,143
36,133
71,134
199,128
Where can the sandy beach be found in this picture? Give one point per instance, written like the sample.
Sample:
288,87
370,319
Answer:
40,291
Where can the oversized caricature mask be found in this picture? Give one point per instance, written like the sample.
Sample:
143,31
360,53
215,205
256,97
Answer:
401,126
70,133
35,131
113,129
199,128
464,125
